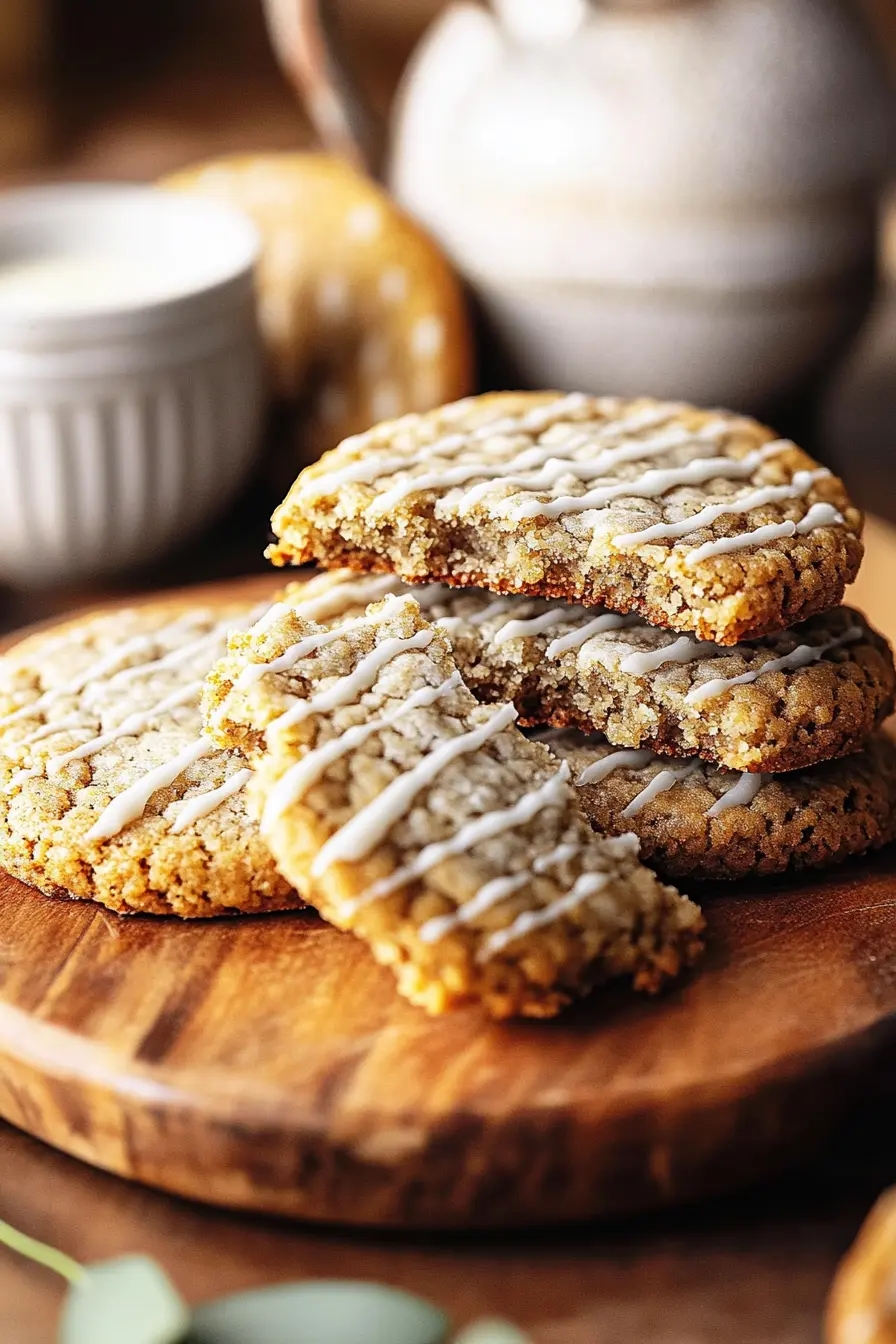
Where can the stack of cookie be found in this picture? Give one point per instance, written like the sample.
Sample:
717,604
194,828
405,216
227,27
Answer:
650,589
726,710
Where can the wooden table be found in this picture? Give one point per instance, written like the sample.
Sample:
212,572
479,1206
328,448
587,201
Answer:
748,1270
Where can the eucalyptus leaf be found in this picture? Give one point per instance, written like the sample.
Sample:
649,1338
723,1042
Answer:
332,1311
124,1301
491,1331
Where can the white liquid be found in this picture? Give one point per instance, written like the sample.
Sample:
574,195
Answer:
81,282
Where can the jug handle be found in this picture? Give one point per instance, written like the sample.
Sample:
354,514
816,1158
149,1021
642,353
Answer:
307,42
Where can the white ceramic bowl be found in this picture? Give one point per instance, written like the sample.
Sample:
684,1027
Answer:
131,384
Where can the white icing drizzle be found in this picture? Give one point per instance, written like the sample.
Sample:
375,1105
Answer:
542,467
739,794
339,598
802,656
50,730
589,884
524,629
553,469
175,658
287,660
819,515
798,488
429,594
487,896
450,624
372,469
554,857
273,614
129,727
577,638
346,689
372,823
96,671
130,805
204,803
683,650
550,794
298,779
491,894
100,670
541,464
496,608
616,760
650,484
665,780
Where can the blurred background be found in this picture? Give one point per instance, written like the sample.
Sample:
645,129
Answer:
100,88
673,197
104,89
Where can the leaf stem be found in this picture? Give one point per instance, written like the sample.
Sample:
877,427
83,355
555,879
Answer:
41,1253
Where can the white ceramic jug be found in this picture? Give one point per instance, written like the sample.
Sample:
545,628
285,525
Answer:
672,196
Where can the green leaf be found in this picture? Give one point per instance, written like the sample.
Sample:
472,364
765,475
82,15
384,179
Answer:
330,1312
125,1301
491,1331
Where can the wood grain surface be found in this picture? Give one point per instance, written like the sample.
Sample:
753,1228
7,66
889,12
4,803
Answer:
268,1064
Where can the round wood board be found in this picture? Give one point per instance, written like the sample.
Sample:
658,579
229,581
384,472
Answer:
269,1064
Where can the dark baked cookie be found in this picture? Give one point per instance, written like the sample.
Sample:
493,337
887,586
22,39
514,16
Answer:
696,820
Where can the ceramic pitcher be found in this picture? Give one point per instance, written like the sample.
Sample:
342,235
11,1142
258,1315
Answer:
666,196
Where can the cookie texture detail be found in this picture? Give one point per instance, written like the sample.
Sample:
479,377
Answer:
783,702
428,825
700,521
109,789
698,821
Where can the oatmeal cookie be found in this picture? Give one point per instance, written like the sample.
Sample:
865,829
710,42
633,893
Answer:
109,790
696,820
429,826
698,520
780,703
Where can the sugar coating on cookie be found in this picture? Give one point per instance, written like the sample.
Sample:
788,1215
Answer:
428,825
783,702
698,520
700,821
109,788
362,316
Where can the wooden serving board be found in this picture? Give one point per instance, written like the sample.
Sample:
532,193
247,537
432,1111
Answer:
268,1063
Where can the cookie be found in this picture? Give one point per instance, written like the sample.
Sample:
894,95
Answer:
361,315
696,820
697,520
426,823
861,1308
109,790
781,703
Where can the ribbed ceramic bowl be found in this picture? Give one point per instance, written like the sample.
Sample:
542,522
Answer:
126,423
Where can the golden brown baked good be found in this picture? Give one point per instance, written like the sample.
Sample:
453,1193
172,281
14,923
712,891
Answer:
109,790
428,825
698,520
699,821
782,702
